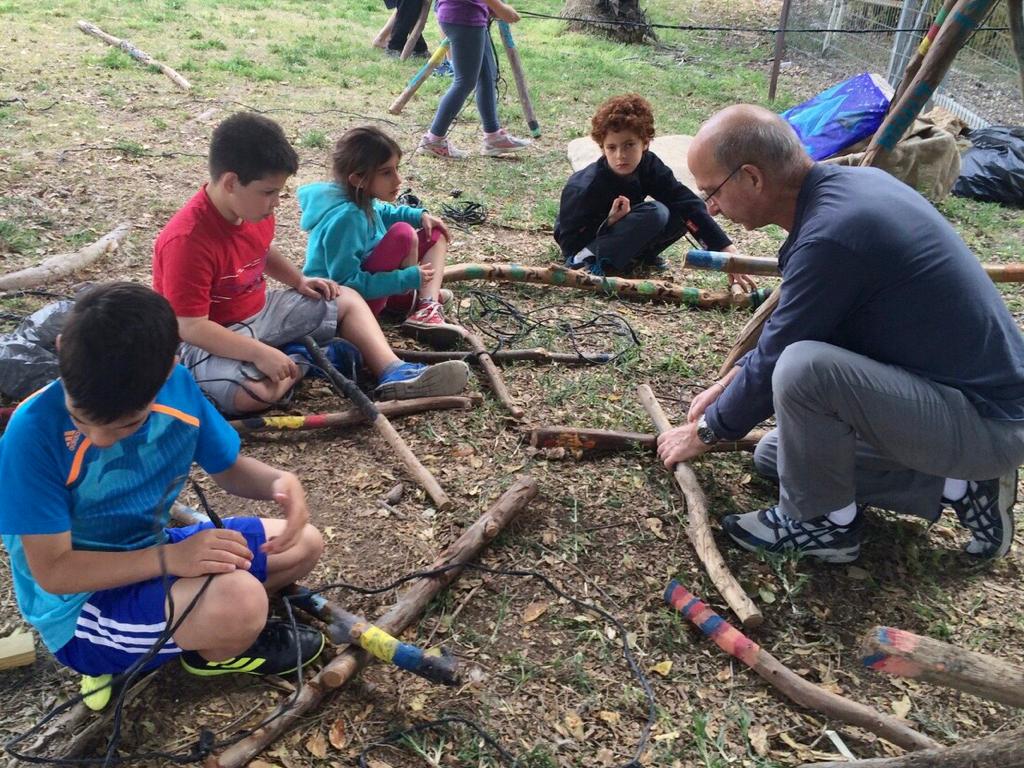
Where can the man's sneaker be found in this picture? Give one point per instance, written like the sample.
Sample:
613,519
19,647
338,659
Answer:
770,530
428,324
501,142
274,652
986,510
440,147
403,381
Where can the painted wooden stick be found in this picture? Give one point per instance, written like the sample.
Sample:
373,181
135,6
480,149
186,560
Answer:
417,30
698,530
420,77
651,290
898,652
381,40
391,409
1015,12
716,261
140,56
410,605
517,72
535,355
915,62
380,423
586,443
1001,750
346,628
494,377
790,684
64,263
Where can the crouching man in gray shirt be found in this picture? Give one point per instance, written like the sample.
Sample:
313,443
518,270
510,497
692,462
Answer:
892,365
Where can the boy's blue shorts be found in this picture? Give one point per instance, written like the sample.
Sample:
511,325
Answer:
117,626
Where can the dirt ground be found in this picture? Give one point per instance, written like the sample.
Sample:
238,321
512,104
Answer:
544,677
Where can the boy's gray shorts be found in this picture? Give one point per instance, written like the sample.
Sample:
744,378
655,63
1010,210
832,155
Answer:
287,316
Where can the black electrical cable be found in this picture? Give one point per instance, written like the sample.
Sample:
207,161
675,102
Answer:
465,214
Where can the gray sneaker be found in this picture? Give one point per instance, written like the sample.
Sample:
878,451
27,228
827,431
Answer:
772,531
404,381
986,510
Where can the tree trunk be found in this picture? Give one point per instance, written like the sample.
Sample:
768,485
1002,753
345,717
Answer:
631,22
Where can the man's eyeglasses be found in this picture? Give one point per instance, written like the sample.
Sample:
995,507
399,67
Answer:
714,192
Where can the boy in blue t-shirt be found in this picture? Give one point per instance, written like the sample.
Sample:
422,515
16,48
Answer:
90,466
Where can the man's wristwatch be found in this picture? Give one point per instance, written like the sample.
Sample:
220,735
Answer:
705,433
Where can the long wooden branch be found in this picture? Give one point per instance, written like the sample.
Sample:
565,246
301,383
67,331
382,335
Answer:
651,290
898,652
750,333
1001,750
535,355
63,264
391,409
416,31
698,529
130,48
790,684
410,605
586,443
494,377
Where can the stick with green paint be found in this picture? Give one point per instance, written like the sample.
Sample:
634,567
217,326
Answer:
517,71
417,80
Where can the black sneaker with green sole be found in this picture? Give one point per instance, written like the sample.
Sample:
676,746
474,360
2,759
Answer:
273,653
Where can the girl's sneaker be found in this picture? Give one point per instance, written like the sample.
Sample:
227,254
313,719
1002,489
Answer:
427,323
501,142
403,381
440,147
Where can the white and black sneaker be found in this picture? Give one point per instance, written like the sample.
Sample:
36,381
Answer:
986,510
772,531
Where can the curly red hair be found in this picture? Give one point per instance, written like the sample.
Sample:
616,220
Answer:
629,112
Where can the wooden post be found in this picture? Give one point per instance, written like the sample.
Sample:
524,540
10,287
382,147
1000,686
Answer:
788,682
517,72
898,652
421,22
1003,750
780,48
140,56
420,77
410,605
64,263
698,530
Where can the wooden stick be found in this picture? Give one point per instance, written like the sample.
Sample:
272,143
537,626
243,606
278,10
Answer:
698,530
1001,750
381,40
780,47
915,62
586,443
410,605
494,377
750,332
790,684
391,409
650,290
516,65
417,30
716,261
898,652
17,650
1015,12
140,56
64,263
420,77
535,355
380,423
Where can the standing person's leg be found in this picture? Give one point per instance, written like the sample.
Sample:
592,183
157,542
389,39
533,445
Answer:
618,248
407,14
497,140
466,55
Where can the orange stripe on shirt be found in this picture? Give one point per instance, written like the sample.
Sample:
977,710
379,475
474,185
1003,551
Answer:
175,413
76,464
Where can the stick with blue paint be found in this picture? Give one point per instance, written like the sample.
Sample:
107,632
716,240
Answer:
436,665
417,80
517,71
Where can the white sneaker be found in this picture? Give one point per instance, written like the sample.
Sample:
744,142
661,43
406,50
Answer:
502,142
440,147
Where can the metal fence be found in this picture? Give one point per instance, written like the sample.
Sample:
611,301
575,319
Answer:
982,86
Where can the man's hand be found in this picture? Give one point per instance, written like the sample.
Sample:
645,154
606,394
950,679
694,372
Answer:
505,12
703,401
428,222
680,444
275,364
215,550
291,498
745,283
318,288
620,207
426,274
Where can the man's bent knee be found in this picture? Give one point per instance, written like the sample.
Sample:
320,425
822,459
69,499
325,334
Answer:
796,366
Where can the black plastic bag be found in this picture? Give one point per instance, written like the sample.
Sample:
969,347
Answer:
992,170
28,357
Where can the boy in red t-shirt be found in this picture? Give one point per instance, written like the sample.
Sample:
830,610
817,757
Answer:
211,262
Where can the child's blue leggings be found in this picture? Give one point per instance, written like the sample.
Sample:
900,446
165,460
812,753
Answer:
474,65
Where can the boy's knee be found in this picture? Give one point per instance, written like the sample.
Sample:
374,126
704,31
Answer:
347,299
241,602
312,543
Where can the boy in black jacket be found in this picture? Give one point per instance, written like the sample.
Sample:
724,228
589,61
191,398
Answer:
605,224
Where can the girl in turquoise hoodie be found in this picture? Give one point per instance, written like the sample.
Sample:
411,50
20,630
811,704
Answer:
391,254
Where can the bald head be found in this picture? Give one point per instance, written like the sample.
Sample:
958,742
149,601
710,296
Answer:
747,134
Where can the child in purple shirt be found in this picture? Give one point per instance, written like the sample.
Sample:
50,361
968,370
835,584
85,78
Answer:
464,23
